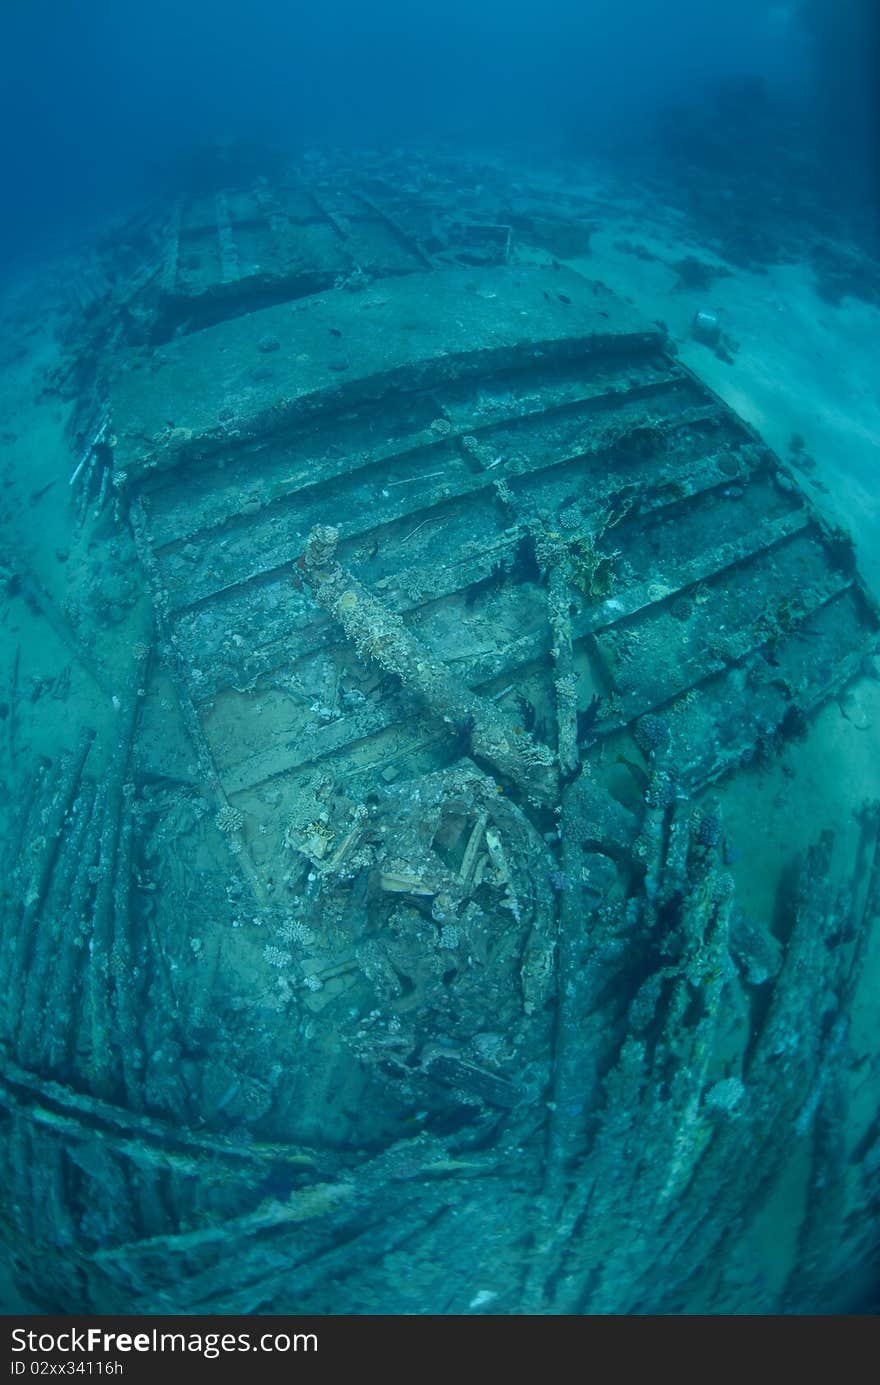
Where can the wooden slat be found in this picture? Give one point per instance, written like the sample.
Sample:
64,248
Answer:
229,266
264,616
703,566
460,332
406,239
179,509
507,663
719,729
271,539
49,1104
172,250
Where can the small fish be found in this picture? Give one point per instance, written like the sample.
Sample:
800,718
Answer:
587,719
334,331
563,297
638,774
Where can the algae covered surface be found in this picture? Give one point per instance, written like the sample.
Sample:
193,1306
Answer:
439,743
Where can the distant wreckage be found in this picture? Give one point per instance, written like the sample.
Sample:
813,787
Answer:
393,962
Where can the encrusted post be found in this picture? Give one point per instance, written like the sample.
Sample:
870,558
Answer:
380,635
34,885
62,1007
103,1063
559,614
28,997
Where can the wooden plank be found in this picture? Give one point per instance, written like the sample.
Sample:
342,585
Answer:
697,663
265,615
213,563
721,727
172,250
229,266
406,239
467,323
335,450
85,1117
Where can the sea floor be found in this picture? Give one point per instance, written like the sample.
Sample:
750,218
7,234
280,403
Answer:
802,370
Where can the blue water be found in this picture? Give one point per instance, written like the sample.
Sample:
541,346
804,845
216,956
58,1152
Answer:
95,97
712,169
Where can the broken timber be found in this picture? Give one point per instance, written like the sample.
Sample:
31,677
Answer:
432,551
